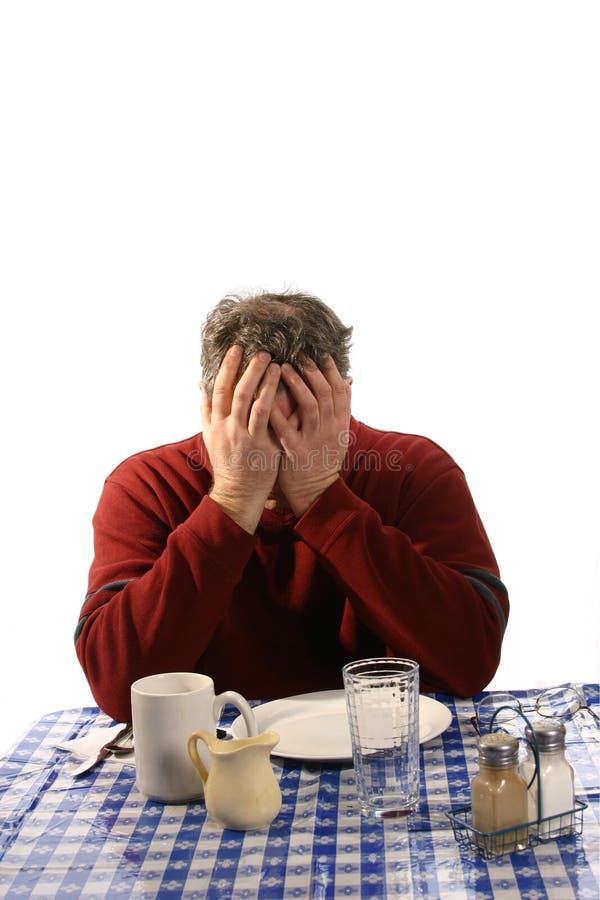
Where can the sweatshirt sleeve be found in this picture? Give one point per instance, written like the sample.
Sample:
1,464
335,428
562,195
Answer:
427,586
156,595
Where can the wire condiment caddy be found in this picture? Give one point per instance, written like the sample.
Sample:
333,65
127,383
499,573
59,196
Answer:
491,844
521,835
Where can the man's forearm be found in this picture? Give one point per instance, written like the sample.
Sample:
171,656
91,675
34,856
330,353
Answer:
162,619
417,605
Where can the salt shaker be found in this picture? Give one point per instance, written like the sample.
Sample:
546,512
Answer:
499,795
555,778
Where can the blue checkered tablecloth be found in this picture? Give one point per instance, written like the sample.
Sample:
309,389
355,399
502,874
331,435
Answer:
98,837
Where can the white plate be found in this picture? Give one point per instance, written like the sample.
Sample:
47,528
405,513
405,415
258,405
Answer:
315,726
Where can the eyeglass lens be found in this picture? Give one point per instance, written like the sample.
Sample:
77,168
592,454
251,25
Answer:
559,702
498,707
563,701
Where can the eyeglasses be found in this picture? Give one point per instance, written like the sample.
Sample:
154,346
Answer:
498,709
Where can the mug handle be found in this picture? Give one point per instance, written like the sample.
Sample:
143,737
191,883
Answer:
238,701
199,735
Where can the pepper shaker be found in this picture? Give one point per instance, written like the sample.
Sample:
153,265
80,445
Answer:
499,795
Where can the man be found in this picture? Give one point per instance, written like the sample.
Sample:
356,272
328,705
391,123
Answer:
287,538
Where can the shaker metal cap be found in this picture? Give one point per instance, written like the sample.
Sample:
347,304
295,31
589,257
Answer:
498,749
550,735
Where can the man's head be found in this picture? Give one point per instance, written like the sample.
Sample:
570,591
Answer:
286,325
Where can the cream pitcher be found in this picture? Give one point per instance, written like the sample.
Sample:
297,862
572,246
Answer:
240,787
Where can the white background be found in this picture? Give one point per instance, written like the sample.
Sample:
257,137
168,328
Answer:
429,169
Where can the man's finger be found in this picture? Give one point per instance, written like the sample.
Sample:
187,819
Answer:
247,387
337,385
308,404
283,428
263,402
225,383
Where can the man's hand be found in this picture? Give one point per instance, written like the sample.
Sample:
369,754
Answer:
243,453
315,436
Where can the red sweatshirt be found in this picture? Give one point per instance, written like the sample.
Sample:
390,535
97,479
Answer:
391,559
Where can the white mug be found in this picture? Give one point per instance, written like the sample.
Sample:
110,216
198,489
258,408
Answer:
166,709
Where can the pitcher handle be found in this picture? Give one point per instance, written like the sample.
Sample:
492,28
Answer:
238,701
199,735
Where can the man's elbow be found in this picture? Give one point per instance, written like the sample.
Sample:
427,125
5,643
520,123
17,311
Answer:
111,692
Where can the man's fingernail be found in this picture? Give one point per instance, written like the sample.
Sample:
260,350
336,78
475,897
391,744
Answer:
236,350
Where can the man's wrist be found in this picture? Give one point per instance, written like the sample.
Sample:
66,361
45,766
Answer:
300,503
244,512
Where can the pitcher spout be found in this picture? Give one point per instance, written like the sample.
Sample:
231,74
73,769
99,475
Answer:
266,741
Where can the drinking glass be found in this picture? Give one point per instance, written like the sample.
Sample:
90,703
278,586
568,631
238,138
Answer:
382,698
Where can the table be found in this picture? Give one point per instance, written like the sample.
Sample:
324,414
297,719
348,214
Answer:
98,837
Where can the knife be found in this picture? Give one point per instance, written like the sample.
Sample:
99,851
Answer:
108,748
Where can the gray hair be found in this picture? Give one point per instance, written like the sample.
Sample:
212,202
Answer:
286,325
